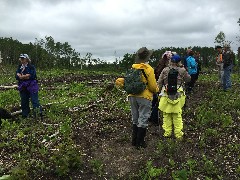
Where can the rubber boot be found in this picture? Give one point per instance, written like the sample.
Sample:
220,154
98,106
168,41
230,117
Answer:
134,134
140,138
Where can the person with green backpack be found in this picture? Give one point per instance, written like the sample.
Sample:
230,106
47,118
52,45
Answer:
140,84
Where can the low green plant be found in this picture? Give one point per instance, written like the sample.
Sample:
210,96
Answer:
191,165
97,166
152,172
21,171
208,166
180,174
67,157
167,147
226,120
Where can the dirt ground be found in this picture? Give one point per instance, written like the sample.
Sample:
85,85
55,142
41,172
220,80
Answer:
109,139
105,137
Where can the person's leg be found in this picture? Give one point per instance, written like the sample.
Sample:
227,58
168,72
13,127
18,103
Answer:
154,118
134,109
25,103
178,125
221,74
135,115
144,114
144,111
226,78
229,82
167,124
37,109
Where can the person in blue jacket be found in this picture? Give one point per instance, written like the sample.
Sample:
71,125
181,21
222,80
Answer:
28,86
192,68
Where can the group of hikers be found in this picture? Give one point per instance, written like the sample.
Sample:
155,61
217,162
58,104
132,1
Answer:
162,88
166,87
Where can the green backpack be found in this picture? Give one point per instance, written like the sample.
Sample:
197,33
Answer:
133,83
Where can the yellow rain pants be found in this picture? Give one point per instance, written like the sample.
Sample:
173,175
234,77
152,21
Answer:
174,119
172,113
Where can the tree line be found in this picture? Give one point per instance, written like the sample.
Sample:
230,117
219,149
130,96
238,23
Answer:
46,53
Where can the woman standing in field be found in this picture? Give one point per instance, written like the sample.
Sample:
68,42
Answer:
28,86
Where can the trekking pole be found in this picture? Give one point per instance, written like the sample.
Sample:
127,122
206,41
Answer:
159,130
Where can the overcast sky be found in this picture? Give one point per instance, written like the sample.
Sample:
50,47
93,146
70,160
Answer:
109,28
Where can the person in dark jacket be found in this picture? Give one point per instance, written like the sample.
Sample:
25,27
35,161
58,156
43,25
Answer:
28,86
163,62
228,58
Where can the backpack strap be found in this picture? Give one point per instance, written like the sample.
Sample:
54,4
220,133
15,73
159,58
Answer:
144,74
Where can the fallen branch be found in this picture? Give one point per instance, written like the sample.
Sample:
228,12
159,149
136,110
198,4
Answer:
8,87
55,88
74,109
46,124
53,135
16,113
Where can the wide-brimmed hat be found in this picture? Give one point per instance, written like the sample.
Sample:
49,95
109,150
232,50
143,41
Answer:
25,56
143,55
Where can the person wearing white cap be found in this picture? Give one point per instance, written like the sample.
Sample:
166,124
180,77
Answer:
28,86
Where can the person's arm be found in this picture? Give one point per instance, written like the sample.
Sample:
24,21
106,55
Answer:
186,76
152,84
24,77
160,80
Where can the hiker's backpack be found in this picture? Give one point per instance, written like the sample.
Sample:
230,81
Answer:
172,81
133,83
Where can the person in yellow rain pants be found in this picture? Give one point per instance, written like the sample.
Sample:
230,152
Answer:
172,96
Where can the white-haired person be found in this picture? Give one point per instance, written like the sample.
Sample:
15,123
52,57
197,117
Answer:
28,86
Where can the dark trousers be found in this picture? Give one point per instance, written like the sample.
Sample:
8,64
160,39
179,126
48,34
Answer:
25,96
190,85
154,118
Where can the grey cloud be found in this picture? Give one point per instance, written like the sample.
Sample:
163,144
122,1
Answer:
106,28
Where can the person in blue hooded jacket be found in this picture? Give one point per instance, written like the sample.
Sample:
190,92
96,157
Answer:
192,68
28,86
